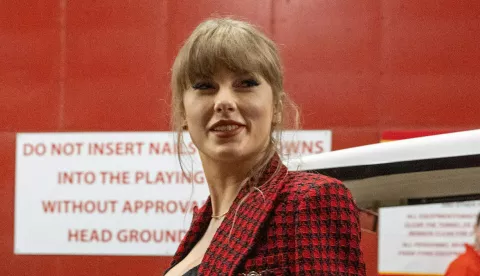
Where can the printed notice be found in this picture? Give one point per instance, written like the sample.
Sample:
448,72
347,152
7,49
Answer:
424,238
114,193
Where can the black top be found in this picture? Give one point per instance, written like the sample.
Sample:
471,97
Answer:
192,272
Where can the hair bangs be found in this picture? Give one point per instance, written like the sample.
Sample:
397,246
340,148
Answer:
230,48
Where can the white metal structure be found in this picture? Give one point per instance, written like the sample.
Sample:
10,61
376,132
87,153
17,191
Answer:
391,172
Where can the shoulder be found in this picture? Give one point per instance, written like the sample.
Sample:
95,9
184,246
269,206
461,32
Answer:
319,210
304,186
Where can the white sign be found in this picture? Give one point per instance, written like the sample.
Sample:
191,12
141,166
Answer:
114,193
424,239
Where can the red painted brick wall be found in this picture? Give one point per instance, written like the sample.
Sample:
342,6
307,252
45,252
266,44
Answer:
356,67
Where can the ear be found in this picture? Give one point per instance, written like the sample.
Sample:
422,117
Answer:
277,118
182,116
277,113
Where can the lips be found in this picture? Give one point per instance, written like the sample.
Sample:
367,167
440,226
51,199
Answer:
226,128
225,125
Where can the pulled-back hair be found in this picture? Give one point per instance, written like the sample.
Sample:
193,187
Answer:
241,48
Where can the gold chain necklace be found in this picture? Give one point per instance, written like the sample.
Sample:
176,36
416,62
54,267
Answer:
220,216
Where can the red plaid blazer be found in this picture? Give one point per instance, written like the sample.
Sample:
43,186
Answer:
304,224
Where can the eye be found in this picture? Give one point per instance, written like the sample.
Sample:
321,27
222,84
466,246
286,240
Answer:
246,83
202,85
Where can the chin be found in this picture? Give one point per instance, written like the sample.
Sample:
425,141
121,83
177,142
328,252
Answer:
229,155
231,152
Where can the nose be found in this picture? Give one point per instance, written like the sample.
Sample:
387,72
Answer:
225,101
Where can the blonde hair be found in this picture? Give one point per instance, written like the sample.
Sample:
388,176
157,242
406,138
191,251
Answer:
239,47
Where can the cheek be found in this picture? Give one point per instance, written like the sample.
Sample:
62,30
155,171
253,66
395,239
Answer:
195,111
260,116
261,110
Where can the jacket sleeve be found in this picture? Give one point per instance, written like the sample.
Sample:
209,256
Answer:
327,231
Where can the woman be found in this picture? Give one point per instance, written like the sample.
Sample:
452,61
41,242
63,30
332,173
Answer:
260,219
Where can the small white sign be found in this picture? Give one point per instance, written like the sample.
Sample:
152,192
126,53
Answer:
114,193
424,239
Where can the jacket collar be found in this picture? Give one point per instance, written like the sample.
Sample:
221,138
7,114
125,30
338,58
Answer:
242,223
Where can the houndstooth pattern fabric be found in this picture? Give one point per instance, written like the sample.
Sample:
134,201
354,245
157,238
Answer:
303,224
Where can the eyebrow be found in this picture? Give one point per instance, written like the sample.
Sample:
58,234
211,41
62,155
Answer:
241,74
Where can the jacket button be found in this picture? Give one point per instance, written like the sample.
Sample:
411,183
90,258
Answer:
253,273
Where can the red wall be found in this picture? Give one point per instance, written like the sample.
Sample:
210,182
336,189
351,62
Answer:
356,67
369,247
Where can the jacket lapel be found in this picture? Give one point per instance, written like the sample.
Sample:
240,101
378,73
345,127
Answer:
236,236
200,221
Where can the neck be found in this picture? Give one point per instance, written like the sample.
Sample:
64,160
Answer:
225,181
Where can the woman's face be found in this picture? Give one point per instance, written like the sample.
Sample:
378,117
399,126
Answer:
229,116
